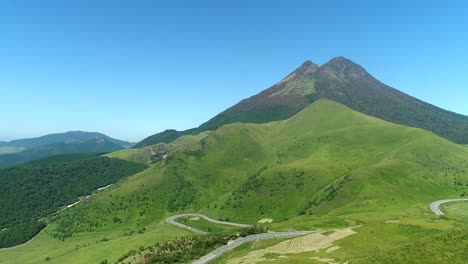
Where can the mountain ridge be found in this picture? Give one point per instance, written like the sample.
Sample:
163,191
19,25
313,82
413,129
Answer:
75,135
95,145
340,80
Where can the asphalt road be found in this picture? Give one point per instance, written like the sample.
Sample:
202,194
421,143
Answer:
434,206
241,240
171,220
221,250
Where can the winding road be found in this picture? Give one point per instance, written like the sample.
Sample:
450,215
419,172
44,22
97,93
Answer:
239,241
434,206
221,250
171,220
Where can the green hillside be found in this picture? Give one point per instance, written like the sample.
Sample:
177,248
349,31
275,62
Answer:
448,247
340,80
326,167
35,190
147,155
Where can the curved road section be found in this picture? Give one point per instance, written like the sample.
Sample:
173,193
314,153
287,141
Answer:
171,220
241,240
221,250
435,206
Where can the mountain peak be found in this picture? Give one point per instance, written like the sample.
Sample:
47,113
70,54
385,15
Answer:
341,59
340,80
307,67
344,69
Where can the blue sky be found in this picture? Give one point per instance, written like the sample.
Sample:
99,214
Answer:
133,68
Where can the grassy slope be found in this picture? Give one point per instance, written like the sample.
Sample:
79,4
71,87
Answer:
391,167
438,247
338,166
407,168
459,209
142,155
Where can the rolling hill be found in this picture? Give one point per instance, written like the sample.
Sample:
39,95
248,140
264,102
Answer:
340,80
67,137
327,166
95,145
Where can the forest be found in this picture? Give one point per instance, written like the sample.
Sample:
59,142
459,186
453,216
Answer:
32,191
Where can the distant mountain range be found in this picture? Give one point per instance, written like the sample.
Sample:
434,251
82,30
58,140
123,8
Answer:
67,137
73,142
340,80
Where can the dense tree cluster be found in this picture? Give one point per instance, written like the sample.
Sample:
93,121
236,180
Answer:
34,190
182,195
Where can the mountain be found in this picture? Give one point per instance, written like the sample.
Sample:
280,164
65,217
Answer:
326,167
340,80
95,145
9,150
67,137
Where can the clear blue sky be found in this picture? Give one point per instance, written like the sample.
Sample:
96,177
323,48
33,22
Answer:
133,68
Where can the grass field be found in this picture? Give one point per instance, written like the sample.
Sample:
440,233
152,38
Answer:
327,167
456,209
91,247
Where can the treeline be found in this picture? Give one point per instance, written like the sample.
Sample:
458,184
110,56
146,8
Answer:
34,190
90,218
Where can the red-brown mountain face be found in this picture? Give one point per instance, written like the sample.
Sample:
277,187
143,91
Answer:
340,80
